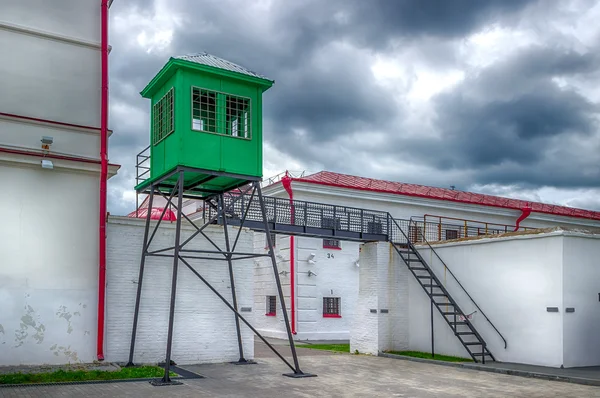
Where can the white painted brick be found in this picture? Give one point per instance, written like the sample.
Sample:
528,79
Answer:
204,328
382,285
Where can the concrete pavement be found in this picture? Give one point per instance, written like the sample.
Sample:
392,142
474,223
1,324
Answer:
339,375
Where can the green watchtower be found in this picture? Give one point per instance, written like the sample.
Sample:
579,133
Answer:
206,119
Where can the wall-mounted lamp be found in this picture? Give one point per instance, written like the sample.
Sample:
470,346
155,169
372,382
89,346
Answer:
46,142
47,164
357,263
310,273
284,273
311,258
279,257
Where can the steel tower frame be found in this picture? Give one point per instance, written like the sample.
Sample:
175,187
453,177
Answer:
214,200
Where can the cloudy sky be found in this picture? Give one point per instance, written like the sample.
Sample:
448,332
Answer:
494,96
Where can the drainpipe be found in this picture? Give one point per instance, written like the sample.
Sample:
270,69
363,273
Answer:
103,176
525,212
286,181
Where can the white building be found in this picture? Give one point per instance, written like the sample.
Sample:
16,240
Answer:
52,75
538,289
331,276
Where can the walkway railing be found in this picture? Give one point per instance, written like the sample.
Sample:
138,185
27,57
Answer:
437,228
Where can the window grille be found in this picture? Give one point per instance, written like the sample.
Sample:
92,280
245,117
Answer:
237,116
332,244
271,305
331,306
451,234
212,112
204,110
162,117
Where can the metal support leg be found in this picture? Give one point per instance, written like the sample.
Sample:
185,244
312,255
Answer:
221,207
140,278
166,378
297,371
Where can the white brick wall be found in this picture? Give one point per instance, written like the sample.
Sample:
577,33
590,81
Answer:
264,285
204,328
383,283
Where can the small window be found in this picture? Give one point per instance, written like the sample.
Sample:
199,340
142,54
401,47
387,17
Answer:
451,234
237,116
332,244
204,110
271,306
162,117
331,307
215,112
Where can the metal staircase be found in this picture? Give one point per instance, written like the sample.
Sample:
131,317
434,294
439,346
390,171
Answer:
346,223
454,316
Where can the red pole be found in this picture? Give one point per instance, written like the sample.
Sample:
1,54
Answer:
103,177
286,181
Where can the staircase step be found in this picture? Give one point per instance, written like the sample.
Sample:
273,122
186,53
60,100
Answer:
473,343
412,260
428,285
424,276
419,269
450,313
478,354
458,323
463,333
440,295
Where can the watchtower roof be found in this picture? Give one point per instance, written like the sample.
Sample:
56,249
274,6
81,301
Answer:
205,58
206,63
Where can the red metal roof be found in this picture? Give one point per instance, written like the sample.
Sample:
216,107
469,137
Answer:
154,214
369,184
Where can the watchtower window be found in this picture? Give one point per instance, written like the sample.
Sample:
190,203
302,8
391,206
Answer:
215,112
238,116
162,117
204,110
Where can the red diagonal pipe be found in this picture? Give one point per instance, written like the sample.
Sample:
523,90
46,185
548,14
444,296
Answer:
286,181
103,176
525,212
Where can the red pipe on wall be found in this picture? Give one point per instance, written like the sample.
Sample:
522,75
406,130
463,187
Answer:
526,211
103,177
286,181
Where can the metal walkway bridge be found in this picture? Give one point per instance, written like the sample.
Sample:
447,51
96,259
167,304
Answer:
347,223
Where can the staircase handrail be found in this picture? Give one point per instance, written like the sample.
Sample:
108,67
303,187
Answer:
456,279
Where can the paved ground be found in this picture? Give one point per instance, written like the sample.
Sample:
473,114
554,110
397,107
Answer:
339,375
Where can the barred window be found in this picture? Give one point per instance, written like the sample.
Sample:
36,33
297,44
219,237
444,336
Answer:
204,110
162,117
332,244
237,116
207,113
271,306
451,234
331,307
